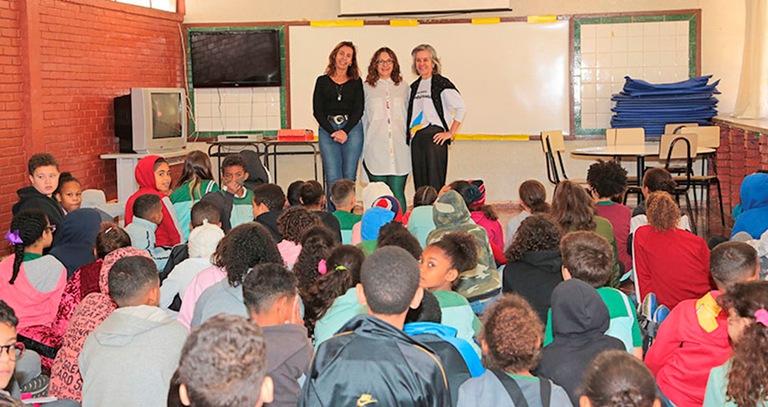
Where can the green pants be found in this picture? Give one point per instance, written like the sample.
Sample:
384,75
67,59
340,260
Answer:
395,182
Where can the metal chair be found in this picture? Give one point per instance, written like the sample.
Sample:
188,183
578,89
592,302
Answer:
708,136
681,147
553,144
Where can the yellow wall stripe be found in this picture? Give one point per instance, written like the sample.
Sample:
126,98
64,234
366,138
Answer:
336,23
493,137
542,19
403,23
490,20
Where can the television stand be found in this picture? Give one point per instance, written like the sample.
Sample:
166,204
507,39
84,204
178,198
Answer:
126,165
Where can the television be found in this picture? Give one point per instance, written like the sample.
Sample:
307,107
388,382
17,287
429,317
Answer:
151,120
248,58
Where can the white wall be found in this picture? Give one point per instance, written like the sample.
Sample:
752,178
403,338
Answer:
504,165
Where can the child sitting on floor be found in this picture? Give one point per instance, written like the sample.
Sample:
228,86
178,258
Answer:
739,382
332,301
419,219
138,337
344,199
148,214
153,174
234,200
44,177
292,225
268,205
588,257
203,241
533,200
196,181
511,342
441,263
271,297
694,337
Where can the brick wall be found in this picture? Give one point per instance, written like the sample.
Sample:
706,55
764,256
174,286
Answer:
61,64
742,152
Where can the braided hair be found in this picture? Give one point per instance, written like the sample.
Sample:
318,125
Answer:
29,226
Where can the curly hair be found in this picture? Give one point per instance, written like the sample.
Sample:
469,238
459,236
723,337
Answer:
607,178
110,238
536,234
513,333
29,226
662,211
244,247
461,248
748,374
223,362
659,179
373,73
572,208
316,244
534,196
295,221
616,378
353,72
343,272
395,234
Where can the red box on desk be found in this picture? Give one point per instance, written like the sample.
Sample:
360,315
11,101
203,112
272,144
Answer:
295,135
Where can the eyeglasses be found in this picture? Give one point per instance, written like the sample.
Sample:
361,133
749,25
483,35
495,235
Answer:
14,351
385,62
51,228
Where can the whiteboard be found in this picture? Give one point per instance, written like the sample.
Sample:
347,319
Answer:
513,76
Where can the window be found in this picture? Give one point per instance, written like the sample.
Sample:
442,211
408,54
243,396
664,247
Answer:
165,5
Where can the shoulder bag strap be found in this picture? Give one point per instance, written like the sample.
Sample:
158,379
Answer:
512,388
546,391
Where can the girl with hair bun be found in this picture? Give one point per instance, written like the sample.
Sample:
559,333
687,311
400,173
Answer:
441,264
332,299
617,379
655,179
31,283
743,380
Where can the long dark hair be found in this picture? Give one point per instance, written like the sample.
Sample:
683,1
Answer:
748,374
197,168
534,196
28,226
342,273
536,234
316,244
373,73
244,247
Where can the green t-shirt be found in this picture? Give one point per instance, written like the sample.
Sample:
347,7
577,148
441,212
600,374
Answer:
347,219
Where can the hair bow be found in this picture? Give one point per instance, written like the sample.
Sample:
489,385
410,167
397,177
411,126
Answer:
13,237
322,268
761,317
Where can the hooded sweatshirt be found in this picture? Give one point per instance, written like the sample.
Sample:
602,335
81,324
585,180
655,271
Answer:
76,238
168,233
451,215
66,381
579,322
400,372
146,344
754,204
30,198
534,277
289,354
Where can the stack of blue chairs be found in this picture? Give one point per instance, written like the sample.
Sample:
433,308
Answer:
652,106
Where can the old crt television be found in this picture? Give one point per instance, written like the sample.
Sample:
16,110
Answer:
249,58
151,120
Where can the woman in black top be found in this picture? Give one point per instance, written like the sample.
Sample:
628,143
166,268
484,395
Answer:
337,105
